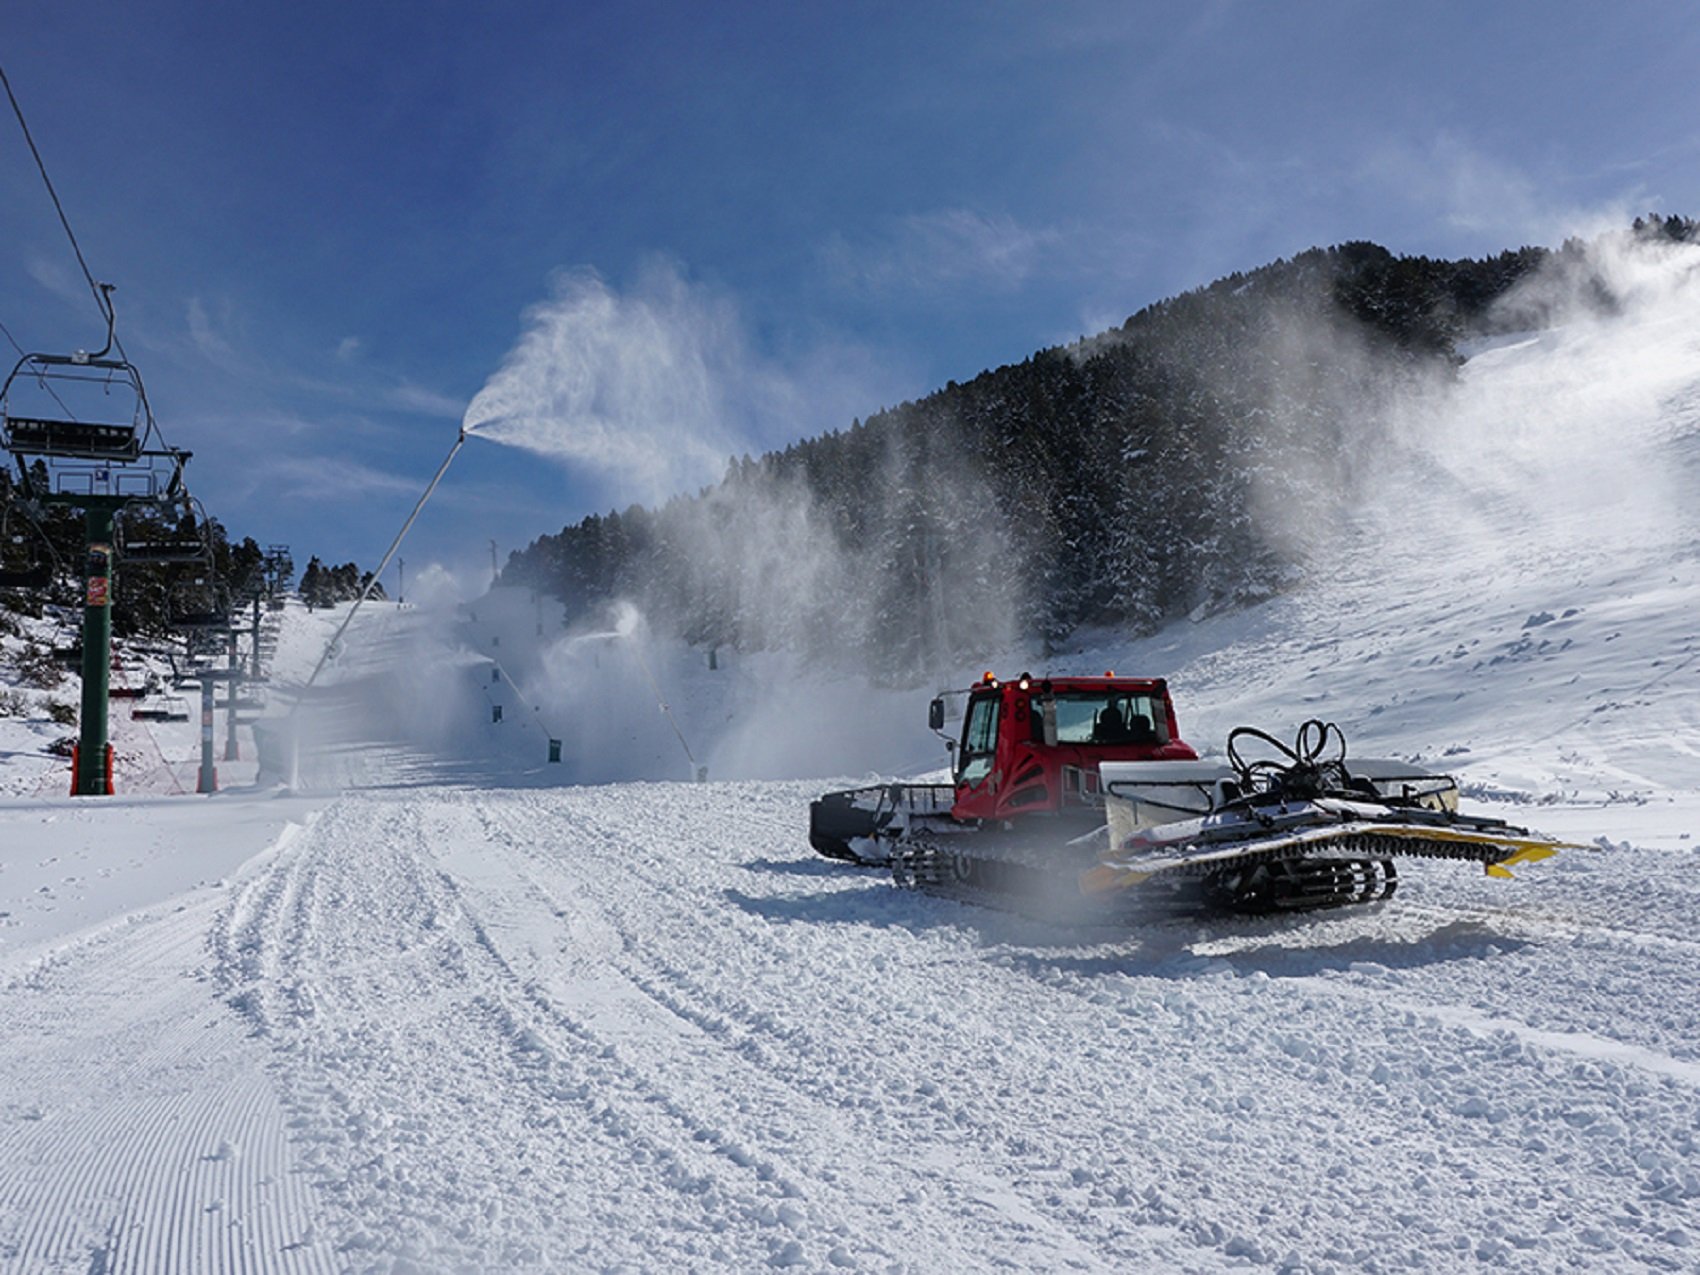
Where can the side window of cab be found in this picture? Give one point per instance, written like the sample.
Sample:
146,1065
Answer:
979,739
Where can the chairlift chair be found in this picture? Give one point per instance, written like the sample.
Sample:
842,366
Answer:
199,605
187,544
23,564
85,460
201,621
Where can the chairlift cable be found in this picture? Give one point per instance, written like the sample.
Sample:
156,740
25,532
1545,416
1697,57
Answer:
14,340
100,291
40,377
100,297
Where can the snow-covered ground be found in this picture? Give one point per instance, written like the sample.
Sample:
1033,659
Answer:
435,1009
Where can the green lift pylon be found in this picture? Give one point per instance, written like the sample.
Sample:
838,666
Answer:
100,469
94,754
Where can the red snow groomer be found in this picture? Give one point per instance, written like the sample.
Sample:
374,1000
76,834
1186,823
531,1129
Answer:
1072,789
1028,753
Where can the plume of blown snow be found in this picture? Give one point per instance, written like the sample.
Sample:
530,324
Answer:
436,586
648,390
633,389
1580,424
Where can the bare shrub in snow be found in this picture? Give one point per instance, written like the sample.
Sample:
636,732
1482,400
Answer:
38,668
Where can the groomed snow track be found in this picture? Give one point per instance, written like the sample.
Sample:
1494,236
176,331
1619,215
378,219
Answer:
643,1026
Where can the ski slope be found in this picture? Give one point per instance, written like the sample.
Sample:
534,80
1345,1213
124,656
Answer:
436,1010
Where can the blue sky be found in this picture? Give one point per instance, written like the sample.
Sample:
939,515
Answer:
329,223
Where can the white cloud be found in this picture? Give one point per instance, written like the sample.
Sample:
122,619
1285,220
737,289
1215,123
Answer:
427,402
271,422
60,281
330,478
1456,183
209,340
348,349
948,247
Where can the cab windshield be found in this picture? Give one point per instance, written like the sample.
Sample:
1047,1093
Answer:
979,739
1116,718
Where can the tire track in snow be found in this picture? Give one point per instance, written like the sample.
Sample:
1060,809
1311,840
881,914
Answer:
1614,975
522,1030
1511,1102
1567,1107
443,1026
853,1098
730,1080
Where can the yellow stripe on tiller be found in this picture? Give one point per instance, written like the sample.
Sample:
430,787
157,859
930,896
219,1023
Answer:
1109,876
1530,853
1465,836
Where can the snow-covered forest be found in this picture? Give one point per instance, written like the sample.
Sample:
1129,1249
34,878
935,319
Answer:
1190,460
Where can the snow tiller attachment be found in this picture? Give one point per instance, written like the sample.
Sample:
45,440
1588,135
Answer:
1303,828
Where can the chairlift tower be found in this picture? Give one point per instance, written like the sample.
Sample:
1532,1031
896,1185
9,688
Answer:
100,469
279,568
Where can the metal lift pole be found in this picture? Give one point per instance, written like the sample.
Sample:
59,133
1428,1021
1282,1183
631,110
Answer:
254,637
234,660
207,779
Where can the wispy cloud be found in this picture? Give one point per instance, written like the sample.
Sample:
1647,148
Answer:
259,427
427,402
1487,198
209,340
948,247
304,395
61,282
334,478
